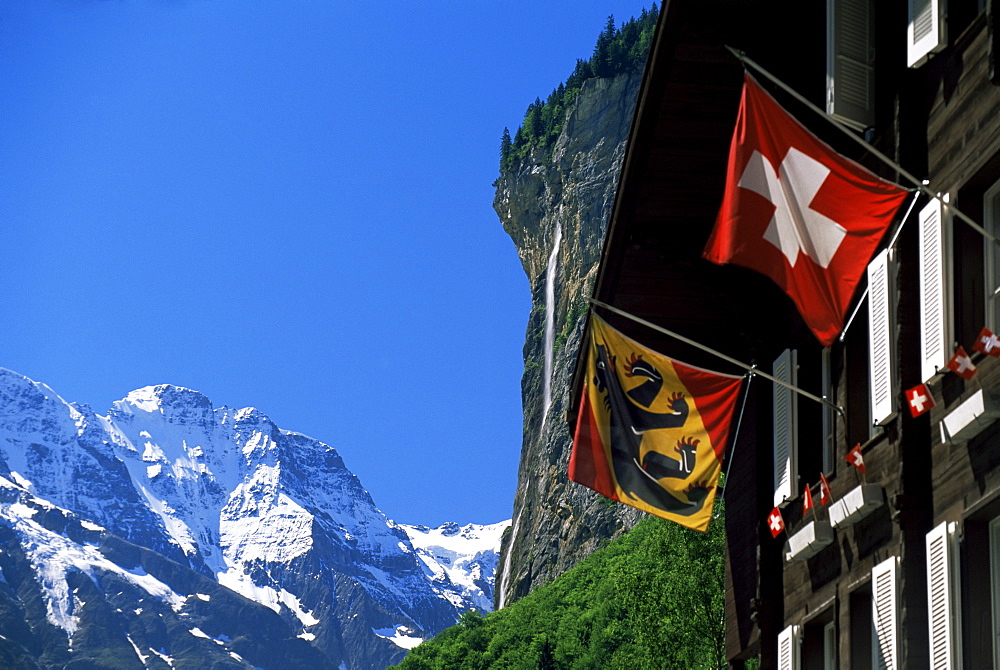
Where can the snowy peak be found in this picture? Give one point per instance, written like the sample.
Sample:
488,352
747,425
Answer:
230,504
460,560
176,404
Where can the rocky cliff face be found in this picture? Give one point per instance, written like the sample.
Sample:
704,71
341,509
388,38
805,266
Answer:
171,531
555,208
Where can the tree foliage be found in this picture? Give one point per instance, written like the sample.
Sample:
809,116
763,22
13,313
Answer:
618,49
653,599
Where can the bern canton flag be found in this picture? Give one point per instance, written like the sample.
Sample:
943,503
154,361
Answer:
799,212
652,431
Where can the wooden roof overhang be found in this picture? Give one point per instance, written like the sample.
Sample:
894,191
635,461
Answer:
672,181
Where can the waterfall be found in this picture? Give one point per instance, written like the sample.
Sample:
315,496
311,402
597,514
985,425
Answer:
504,574
550,320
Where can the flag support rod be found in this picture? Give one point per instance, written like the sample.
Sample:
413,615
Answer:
736,434
752,369
892,243
918,183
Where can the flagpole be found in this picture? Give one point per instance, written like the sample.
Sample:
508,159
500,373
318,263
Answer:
736,434
892,243
752,369
919,183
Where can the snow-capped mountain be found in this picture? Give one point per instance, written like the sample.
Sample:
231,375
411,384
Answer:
170,529
460,561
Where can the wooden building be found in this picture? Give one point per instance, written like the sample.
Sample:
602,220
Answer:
902,569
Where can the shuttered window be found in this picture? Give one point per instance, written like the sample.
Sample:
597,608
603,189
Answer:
830,646
785,427
995,585
880,339
943,611
885,655
850,80
991,256
935,283
926,31
788,649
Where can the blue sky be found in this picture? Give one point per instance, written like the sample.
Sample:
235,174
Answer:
284,204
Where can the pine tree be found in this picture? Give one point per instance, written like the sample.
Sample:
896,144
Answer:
505,148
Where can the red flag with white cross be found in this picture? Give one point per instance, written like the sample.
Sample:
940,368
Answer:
775,523
824,489
987,343
961,364
799,212
855,458
919,399
807,500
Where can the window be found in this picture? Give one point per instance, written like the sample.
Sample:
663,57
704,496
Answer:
861,628
935,289
880,338
991,256
819,642
926,30
885,643
995,587
826,382
943,611
980,565
850,72
786,469
788,649
801,421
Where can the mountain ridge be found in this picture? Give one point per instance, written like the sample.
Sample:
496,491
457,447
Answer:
271,515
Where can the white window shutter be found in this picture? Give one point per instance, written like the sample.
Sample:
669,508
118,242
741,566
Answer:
926,31
785,427
788,649
942,597
880,339
935,283
885,639
850,79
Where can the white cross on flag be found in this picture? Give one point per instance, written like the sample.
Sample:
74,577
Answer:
799,212
987,343
775,523
855,458
962,365
919,399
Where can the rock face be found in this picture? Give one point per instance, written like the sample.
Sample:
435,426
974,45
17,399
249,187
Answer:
172,530
555,208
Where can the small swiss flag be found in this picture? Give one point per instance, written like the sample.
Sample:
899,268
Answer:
919,399
824,489
775,522
855,458
987,343
807,499
961,364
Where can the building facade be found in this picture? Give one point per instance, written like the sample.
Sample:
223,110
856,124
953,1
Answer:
901,569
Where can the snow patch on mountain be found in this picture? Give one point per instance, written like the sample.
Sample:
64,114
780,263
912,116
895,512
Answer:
53,556
460,561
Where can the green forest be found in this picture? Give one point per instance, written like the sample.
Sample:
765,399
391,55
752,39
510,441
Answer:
652,599
618,49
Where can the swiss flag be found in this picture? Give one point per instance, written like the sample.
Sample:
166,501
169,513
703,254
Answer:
807,499
962,365
919,399
855,458
987,343
775,523
824,489
799,212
